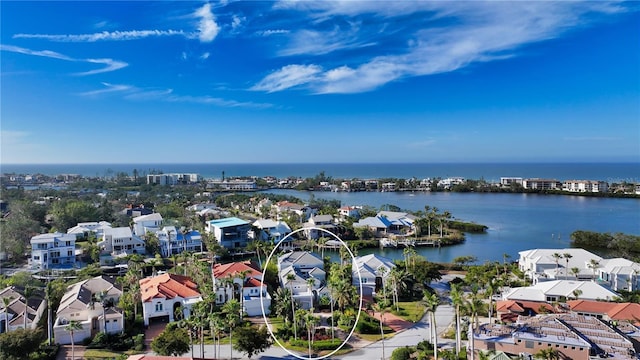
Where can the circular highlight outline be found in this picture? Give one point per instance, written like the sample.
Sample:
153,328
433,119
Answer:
264,315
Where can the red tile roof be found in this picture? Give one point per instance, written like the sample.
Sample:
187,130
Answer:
230,269
521,306
168,286
615,311
252,283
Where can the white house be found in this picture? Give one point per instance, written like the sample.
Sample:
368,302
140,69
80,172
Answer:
318,221
92,303
374,271
83,229
284,207
303,274
552,264
230,232
273,231
241,277
162,295
143,224
619,274
585,186
173,241
12,316
561,290
121,240
53,251
349,211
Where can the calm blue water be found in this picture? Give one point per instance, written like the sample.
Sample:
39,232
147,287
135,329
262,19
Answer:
516,222
610,172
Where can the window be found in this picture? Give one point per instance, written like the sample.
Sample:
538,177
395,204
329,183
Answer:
69,253
158,306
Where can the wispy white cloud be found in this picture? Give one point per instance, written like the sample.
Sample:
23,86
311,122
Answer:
110,88
236,22
467,32
205,56
208,29
131,92
288,77
103,35
109,64
273,32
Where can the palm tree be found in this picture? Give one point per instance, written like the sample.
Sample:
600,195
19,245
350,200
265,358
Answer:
505,256
445,216
577,293
72,327
232,310
105,303
290,278
310,323
566,257
457,300
575,271
594,265
28,292
5,302
311,283
491,288
381,306
431,302
216,327
557,257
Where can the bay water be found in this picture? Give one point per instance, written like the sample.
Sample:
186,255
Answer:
516,222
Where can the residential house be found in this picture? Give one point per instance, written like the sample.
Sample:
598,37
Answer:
147,223
232,185
349,211
163,294
619,274
53,251
283,207
303,274
231,233
274,232
92,303
94,227
450,182
244,278
550,264
561,290
263,207
373,270
173,241
13,316
379,225
400,222
121,241
318,222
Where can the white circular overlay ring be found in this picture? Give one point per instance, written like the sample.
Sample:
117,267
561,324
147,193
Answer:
264,315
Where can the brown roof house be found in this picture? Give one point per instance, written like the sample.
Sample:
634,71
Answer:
163,294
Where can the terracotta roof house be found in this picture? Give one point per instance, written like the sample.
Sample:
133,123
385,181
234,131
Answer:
163,294
242,280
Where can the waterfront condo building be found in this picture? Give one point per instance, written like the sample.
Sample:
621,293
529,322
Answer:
541,184
585,186
53,251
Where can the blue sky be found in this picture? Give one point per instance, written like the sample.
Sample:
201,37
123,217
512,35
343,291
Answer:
319,81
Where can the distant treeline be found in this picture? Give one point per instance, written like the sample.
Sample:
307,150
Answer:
617,245
467,227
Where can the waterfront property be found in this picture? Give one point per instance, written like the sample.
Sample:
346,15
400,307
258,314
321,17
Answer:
92,304
607,311
274,232
374,271
578,264
318,222
53,251
242,280
231,233
163,294
303,274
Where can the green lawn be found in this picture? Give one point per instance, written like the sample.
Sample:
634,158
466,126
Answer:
410,311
